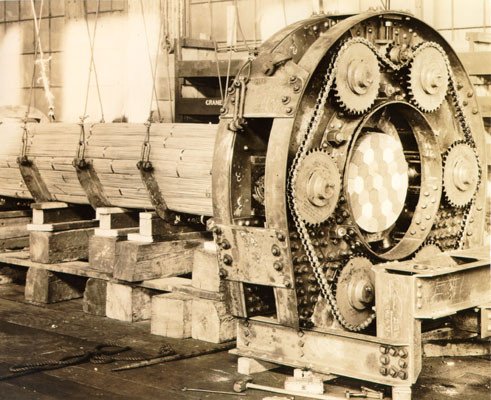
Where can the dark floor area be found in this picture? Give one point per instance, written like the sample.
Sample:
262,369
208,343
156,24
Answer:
30,333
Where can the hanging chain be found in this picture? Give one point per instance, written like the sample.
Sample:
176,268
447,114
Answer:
327,289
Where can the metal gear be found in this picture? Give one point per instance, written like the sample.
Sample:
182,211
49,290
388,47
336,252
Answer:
355,292
357,78
428,251
317,187
428,78
461,174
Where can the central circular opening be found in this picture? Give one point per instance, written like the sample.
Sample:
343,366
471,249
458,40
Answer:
377,181
393,179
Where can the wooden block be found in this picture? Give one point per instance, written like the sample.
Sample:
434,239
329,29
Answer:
95,297
103,252
308,385
45,213
181,285
112,233
21,217
151,224
140,261
115,220
171,315
63,226
128,303
43,286
211,322
10,274
14,243
248,366
53,247
205,270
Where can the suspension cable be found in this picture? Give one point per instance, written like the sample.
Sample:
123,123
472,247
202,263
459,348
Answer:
215,52
42,62
92,63
154,88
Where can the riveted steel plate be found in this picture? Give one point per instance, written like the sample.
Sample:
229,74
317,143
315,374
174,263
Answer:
255,255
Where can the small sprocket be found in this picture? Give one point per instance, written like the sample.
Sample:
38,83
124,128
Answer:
317,187
357,78
461,174
428,79
355,292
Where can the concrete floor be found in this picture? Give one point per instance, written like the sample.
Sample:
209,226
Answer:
31,333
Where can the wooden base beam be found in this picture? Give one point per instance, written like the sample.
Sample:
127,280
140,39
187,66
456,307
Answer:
138,261
44,286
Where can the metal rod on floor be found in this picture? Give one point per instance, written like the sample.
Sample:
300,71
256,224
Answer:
175,357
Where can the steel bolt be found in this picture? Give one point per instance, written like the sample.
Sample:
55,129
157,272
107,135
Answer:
383,349
293,78
227,259
393,372
225,244
296,88
383,371
403,375
275,250
223,110
384,359
287,284
278,266
392,351
402,353
402,363
285,99
223,273
280,236
289,110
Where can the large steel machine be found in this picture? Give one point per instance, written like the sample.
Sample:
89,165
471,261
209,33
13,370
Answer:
346,190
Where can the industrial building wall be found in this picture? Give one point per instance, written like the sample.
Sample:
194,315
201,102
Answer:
127,44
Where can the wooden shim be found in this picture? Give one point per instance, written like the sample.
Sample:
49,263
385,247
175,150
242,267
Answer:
54,247
128,303
142,261
181,285
171,315
95,297
118,233
44,286
63,226
211,322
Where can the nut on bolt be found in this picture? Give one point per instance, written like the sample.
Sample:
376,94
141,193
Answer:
383,349
227,259
383,371
225,244
402,353
384,359
275,250
393,372
278,266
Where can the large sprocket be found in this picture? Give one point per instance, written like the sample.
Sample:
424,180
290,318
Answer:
357,78
317,187
428,79
461,174
355,292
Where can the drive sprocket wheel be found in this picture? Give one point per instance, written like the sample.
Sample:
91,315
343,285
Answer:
355,292
428,79
317,187
461,174
357,78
